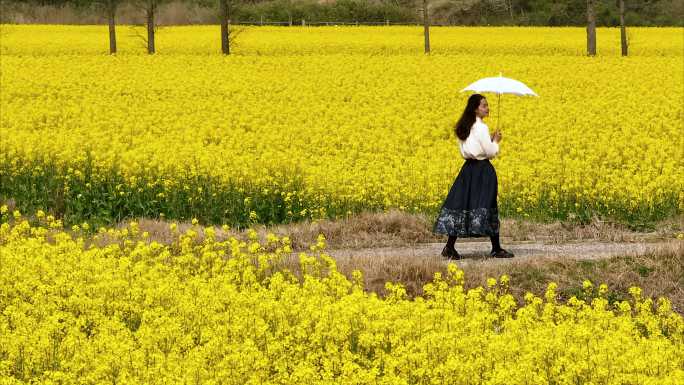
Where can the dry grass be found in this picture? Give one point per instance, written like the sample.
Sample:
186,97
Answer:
400,229
658,273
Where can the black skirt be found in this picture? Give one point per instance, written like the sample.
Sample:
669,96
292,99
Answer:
470,208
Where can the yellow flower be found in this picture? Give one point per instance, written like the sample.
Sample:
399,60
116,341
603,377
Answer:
240,296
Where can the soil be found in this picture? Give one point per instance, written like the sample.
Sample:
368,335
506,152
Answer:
478,251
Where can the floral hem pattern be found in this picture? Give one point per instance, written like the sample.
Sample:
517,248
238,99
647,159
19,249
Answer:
480,222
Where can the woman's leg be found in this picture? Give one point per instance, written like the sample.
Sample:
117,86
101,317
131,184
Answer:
449,251
451,242
497,251
496,245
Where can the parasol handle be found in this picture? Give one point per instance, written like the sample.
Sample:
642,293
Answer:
498,117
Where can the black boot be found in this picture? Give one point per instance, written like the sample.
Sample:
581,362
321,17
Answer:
501,253
451,254
497,251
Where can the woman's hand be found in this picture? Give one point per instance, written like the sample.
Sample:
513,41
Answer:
496,137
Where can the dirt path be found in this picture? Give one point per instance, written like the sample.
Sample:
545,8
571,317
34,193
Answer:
477,251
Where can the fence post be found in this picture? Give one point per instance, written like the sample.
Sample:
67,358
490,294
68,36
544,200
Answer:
261,21
387,23
303,23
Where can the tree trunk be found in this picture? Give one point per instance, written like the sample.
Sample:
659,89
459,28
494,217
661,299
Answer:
151,10
623,31
225,43
426,26
591,29
111,12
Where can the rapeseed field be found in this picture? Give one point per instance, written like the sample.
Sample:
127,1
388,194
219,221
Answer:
305,123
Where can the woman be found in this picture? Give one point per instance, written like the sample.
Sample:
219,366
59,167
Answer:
470,208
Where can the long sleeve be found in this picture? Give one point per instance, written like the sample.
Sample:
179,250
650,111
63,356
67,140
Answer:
490,148
479,144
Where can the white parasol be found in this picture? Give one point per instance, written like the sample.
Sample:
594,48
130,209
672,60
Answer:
500,85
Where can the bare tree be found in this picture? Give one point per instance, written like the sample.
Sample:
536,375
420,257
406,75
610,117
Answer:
229,33
150,12
623,31
426,26
108,8
144,36
111,6
224,14
591,28
150,9
101,8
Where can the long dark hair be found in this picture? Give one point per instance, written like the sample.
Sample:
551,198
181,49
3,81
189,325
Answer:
462,127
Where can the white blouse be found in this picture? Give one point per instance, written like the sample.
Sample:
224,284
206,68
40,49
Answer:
479,144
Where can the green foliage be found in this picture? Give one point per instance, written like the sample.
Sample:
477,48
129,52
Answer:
459,12
342,10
